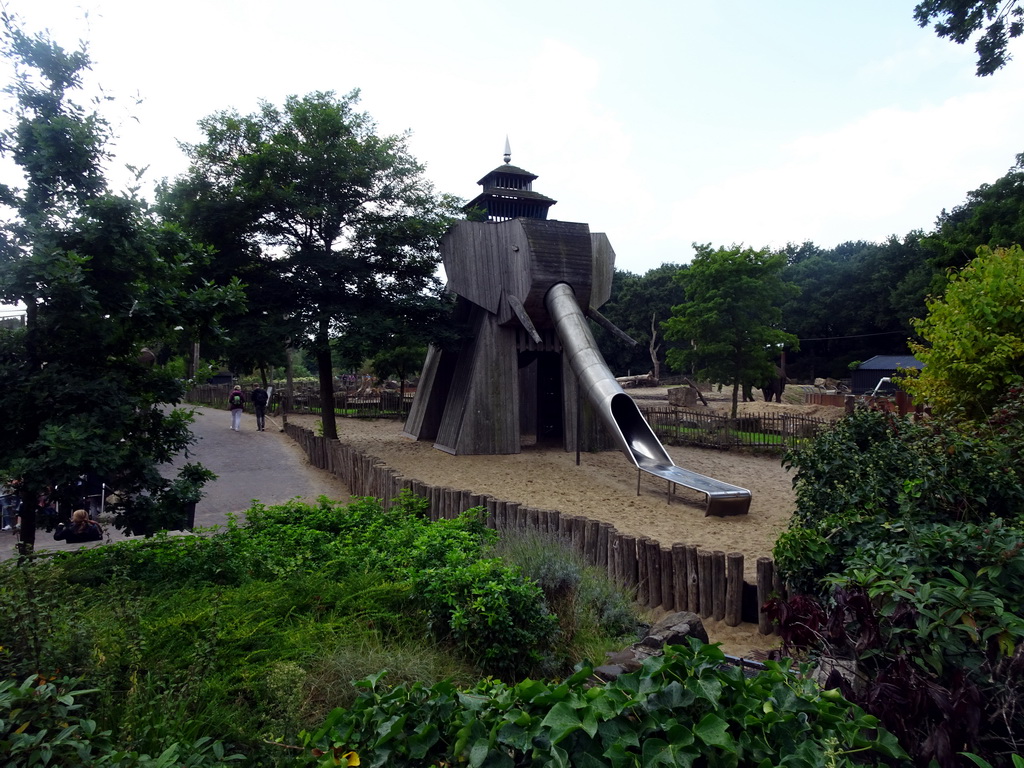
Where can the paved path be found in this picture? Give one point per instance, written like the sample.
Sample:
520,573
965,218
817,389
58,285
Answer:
249,465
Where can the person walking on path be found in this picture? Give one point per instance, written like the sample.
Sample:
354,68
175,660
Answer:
236,401
259,406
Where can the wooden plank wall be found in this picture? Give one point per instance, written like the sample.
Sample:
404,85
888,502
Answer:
680,578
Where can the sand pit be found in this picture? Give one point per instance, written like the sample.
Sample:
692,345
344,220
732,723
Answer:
604,487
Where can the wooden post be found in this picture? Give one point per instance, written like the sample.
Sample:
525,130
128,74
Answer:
734,589
692,578
590,536
765,578
628,554
668,599
643,592
680,588
718,585
512,514
603,530
654,572
705,582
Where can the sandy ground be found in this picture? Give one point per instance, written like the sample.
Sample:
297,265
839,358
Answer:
604,487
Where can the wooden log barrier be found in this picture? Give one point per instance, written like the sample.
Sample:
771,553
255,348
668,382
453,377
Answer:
654,572
628,554
668,599
765,578
734,589
680,578
705,583
603,531
643,584
692,578
511,514
718,585
680,588
590,534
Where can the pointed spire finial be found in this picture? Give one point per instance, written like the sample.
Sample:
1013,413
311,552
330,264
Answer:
508,151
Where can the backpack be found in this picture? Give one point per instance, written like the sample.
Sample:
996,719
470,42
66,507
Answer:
236,399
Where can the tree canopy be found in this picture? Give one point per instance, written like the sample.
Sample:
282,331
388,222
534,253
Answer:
974,337
731,317
343,216
960,20
100,280
638,305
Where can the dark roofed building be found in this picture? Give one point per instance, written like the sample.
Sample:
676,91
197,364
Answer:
868,374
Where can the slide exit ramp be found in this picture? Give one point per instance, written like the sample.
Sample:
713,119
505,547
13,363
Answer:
620,414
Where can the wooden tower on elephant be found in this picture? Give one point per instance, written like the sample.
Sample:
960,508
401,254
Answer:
508,383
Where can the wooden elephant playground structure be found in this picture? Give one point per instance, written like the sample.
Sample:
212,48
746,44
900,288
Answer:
680,577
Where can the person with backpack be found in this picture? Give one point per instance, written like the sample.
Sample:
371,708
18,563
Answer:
259,406
236,402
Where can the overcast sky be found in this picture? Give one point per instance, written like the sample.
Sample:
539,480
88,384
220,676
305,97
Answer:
659,123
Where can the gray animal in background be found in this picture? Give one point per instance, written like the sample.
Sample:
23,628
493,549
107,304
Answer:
774,387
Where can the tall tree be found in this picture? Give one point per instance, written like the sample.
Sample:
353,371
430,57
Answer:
731,317
992,215
346,216
973,350
960,20
856,301
256,336
100,279
639,304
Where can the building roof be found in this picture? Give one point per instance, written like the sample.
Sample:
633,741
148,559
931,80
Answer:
890,363
511,170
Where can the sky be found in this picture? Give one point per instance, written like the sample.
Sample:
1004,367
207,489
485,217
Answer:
662,124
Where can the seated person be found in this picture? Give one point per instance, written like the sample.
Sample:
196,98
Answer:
80,529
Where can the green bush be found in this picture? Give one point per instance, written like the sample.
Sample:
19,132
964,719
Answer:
906,558
873,475
42,723
684,708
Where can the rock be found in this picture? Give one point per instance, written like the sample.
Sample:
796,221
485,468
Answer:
846,669
674,628
683,397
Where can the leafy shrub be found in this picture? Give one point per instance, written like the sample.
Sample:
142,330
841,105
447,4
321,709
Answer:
682,708
906,558
42,723
872,471
490,612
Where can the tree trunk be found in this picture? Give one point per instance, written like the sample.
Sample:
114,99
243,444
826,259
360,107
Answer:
653,348
325,371
735,398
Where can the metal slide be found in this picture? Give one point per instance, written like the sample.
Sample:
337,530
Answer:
620,414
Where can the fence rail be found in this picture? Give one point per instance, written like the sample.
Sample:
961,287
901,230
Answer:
387,404
681,577
763,431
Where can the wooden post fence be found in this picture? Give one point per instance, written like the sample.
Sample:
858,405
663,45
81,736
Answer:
680,578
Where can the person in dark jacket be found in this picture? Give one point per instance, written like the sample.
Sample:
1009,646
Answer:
259,406
81,529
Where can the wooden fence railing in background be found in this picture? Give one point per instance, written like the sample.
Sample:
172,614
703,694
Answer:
384,405
681,578
764,431
899,402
